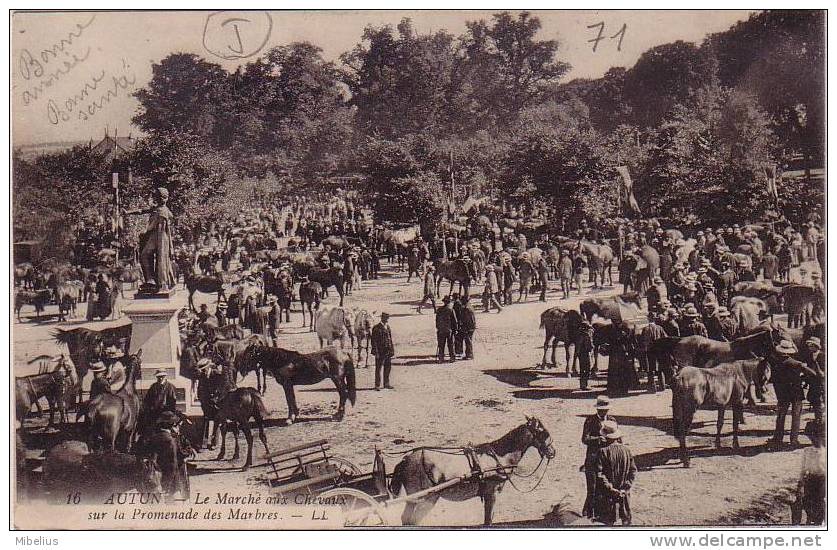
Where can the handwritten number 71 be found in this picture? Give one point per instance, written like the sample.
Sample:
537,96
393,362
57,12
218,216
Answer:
600,36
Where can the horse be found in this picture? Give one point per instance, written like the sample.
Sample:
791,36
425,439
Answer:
335,323
67,296
168,450
208,284
70,468
612,307
561,326
309,297
24,274
291,368
600,257
213,387
457,270
37,298
726,385
237,408
333,276
230,350
698,351
57,386
227,332
494,462
798,301
111,415
747,313
363,323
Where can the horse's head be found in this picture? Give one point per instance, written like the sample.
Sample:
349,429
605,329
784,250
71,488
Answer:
248,359
542,441
149,478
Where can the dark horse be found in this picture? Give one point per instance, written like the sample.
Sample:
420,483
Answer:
697,351
213,386
428,467
85,345
564,326
724,386
333,276
207,284
290,368
612,307
114,415
457,270
238,407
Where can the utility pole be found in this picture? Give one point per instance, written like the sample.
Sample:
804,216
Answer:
115,184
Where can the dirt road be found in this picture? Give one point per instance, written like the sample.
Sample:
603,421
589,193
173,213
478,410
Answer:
476,401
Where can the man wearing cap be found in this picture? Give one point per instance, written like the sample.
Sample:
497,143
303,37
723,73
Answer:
786,375
446,325
383,350
565,273
159,398
652,332
591,437
429,288
615,475
712,322
669,322
728,326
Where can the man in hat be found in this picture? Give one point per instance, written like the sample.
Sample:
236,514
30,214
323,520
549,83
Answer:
491,291
221,315
565,273
159,398
786,375
203,314
274,317
583,348
116,373
172,450
467,326
656,293
429,283
691,325
100,383
383,350
543,277
615,474
712,322
670,322
814,375
593,439
650,333
446,325
726,283
728,327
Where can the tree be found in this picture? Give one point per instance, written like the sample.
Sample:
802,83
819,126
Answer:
509,69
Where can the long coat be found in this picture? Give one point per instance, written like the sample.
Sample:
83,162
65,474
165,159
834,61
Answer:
615,472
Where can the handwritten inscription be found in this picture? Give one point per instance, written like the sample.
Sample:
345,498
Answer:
236,35
48,66
600,36
97,92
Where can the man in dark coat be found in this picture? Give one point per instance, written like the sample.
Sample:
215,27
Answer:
650,334
458,338
446,325
383,349
591,437
159,398
583,347
786,375
467,326
615,474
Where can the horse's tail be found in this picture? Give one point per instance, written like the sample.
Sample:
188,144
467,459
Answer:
351,386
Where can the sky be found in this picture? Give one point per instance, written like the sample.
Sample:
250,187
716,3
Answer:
73,73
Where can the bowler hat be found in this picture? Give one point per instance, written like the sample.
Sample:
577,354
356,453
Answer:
610,429
159,373
98,366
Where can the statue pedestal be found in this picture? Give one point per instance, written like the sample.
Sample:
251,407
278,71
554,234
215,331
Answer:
155,332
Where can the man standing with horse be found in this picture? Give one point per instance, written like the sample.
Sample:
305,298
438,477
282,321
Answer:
160,398
786,375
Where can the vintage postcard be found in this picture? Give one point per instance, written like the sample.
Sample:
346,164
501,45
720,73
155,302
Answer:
375,269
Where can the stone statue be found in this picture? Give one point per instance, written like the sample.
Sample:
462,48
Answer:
155,244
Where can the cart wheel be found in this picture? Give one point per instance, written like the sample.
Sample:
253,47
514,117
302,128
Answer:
359,508
345,467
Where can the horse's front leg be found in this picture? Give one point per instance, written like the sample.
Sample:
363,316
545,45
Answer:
290,398
248,435
223,450
720,426
342,391
237,450
489,498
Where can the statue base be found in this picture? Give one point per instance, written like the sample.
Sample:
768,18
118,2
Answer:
147,291
155,331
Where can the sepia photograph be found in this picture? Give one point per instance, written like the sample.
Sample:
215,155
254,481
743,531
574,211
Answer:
390,269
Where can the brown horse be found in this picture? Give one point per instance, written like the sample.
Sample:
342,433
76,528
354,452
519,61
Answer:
600,258
333,276
697,351
458,271
612,307
207,284
561,326
726,385
309,297
290,368
429,467
111,416
238,407
58,386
